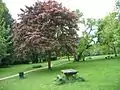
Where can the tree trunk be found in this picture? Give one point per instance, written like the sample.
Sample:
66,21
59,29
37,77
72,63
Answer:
49,59
49,64
83,58
75,58
115,52
79,56
34,58
68,57
40,60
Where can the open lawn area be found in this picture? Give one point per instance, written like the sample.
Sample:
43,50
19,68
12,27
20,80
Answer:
15,69
99,75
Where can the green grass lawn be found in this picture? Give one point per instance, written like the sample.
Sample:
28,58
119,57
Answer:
25,67
98,57
99,74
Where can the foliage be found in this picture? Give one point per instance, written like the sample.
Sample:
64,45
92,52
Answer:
108,29
2,47
45,26
87,38
5,32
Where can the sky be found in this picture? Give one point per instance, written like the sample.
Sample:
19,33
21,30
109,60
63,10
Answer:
90,8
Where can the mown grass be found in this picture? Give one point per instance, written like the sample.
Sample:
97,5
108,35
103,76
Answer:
99,75
15,69
99,57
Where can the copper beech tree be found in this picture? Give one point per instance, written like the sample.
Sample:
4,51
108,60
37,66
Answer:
45,26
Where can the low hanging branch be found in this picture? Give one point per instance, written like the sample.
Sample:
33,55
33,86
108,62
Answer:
45,26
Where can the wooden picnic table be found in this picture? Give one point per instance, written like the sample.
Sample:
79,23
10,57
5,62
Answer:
69,72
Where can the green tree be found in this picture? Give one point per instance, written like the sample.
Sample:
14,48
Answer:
108,32
87,39
5,32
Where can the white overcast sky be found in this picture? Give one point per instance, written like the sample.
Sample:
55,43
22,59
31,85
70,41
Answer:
90,8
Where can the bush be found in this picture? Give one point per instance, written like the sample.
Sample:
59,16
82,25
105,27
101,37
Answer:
38,66
20,62
53,58
5,61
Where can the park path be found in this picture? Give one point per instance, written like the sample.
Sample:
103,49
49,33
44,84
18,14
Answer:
15,75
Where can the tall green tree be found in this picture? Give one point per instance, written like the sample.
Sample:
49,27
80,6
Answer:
108,29
5,32
87,37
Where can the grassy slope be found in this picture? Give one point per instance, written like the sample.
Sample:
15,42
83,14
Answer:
25,67
99,75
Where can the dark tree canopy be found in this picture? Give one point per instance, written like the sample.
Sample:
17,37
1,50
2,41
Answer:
45,26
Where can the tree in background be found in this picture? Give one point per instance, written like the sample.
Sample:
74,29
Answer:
5,33
108,29
45,27
87,38
117,11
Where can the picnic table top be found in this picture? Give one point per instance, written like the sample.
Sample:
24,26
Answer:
69,71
